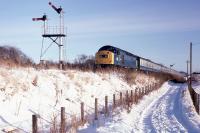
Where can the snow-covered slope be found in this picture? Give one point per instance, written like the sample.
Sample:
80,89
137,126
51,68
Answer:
26,91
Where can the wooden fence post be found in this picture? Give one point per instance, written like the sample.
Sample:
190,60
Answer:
139,93
142,91
197,102
149,88
127,99
193,95
114,103
120,98
106,105
136,95
96,109
34,124
131,97
82,112
62,124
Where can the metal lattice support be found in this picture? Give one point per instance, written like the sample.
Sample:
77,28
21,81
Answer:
55,34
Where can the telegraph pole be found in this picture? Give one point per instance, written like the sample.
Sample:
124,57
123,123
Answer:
192,93
187,68
190,65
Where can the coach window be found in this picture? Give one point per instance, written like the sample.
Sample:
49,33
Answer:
122,59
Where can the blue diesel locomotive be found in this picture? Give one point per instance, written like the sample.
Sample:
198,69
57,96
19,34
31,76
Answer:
109,55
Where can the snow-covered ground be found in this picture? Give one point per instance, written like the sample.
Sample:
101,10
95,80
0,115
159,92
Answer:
167,110
26,91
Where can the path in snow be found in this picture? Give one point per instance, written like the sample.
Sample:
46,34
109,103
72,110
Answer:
168,109
167,114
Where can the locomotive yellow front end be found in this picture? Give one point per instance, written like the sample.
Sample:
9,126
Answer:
104,57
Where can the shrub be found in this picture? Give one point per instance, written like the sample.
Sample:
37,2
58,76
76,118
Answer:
13,56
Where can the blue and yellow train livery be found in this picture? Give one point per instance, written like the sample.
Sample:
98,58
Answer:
109,55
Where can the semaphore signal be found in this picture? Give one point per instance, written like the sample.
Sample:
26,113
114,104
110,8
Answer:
58,10
43,18
55,33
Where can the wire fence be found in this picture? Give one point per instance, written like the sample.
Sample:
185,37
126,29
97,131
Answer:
195,99
95,115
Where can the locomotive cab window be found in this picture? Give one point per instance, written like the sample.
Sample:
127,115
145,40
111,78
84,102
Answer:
103,56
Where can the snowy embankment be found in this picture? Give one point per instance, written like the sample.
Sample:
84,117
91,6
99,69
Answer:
169,109
26,91
196,84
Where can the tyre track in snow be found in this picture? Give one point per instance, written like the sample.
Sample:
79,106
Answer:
164,113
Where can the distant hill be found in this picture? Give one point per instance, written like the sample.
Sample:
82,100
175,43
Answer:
196,72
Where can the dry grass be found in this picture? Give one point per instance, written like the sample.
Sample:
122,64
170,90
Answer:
71,75
13,57
35,81
54,126
74,124
130,77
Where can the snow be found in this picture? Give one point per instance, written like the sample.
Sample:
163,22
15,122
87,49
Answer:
196,83
167,110
27,91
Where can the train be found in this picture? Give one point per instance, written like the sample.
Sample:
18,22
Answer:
113,56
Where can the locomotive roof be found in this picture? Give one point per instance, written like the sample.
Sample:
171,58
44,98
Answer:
112,49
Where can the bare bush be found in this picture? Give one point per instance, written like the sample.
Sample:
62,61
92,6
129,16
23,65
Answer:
13,56
54,126
84,62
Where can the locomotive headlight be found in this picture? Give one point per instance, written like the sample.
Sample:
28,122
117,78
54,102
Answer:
117,58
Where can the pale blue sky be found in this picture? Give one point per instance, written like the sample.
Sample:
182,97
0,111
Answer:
157,29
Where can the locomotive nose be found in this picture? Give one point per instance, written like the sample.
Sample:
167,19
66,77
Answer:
103,57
